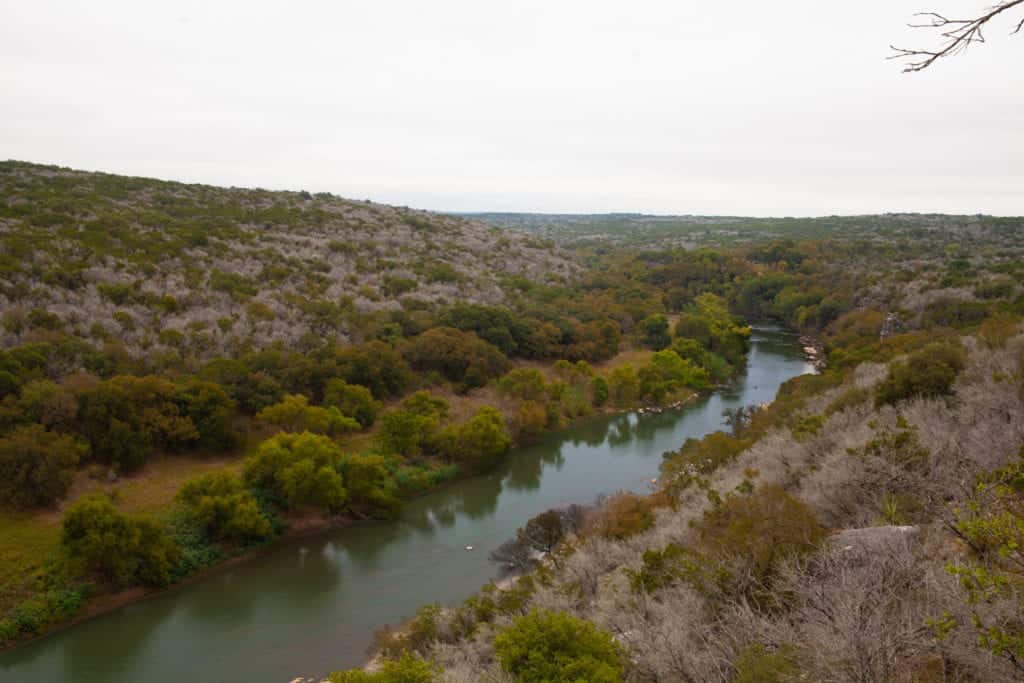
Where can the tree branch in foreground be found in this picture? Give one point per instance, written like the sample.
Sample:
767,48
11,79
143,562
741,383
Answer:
959,34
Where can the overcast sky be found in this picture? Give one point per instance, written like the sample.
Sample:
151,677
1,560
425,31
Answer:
742,107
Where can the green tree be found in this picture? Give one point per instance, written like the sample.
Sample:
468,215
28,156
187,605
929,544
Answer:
480,443
211,410
928,372
654,332
405,432
375,365
526,384
623,386
554,647
37,466
119,549
294,414
370,484
353,401
458,356
224,508
666,375
425,404
599,389
298,470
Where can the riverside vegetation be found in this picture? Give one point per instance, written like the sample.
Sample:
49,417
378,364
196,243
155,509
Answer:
865,526
158,416
189,372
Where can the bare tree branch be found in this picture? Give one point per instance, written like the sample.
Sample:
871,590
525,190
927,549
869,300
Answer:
959,34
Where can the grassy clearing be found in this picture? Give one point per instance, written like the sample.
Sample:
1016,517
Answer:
26,542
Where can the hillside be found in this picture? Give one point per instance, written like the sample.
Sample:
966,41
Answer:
157,264
867,525
666,231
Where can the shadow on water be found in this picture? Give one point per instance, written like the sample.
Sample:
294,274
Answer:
310,605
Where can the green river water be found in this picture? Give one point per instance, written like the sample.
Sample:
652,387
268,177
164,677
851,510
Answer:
309,606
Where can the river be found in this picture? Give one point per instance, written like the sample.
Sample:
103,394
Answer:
308,606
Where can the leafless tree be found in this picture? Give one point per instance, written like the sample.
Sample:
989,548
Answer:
957,34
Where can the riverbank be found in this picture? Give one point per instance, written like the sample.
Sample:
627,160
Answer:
463,405
299,526
105,603
309,606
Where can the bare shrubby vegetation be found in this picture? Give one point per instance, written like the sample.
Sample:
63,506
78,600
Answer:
156,264
873,602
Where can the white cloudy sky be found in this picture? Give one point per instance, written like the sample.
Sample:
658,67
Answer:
675,106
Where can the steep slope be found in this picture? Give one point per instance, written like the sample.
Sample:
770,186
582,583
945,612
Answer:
153,263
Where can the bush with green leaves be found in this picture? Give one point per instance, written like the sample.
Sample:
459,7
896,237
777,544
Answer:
526,384
119,549
555,647
404,432
654,332
667,377
696,460
298,470
37,466
372,488
459,357
353,401
928,373
992,580
294,414
480,443
225,509
32,616
406,669
623,386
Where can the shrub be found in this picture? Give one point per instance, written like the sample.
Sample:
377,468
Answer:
654,332
666,375
298,470
121,550
353,401
370,484
758,664
623,515
992,523
554,647
224,509
459,356
760,529
374,365
995,332
526,384
928,372
406,669
211,411
404,432
37,466
294,414
480,443
850,398
623,386
426,404
395,286
529,422
697,459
